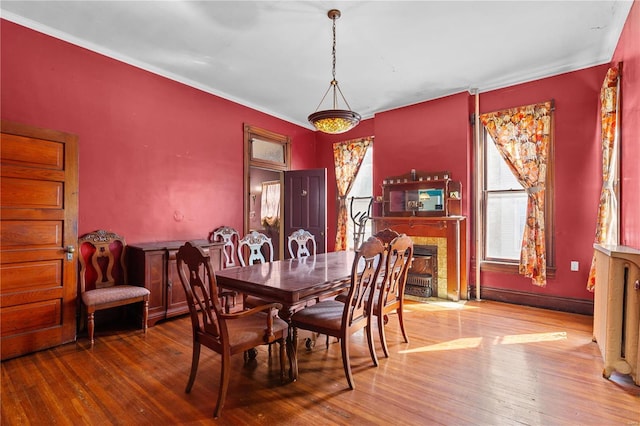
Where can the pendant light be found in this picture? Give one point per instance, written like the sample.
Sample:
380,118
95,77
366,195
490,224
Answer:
334,121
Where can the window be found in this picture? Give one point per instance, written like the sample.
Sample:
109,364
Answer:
506,206
504,211
362,190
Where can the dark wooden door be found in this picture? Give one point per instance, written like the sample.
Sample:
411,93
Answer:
305,204
38,231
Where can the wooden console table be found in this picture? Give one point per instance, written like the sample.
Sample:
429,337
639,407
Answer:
154,264
453,229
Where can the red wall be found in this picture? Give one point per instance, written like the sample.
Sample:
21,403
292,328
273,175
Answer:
158,160
628,52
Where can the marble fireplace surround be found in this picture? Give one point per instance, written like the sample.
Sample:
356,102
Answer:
448,233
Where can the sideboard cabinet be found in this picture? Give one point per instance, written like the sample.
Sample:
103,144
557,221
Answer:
154,264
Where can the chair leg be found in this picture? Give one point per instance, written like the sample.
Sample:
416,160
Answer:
292,348
145,315
401,320
283,365
225,369
195,358
383,336
372,350
344,343
91,325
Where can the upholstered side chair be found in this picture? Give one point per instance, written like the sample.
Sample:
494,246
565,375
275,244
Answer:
103,277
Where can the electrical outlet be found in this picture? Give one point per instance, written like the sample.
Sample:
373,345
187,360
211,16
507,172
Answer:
575,265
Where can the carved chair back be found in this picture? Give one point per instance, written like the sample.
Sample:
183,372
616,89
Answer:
256,242
230,237
302,239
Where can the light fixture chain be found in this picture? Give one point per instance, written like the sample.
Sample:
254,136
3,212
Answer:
333,52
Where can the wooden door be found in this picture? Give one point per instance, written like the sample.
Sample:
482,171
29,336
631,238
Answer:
305,204
38,234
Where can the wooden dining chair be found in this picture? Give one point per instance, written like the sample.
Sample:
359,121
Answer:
256,242
341,320
302,239
103,277
389,296
229,236
385,236
224,333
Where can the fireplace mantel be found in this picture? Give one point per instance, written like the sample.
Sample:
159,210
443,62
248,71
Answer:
453,229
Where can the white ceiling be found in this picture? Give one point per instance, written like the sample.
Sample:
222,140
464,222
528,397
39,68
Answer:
275,56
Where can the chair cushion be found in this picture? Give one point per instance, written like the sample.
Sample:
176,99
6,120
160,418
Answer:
254,301
100,296
326,314
246,331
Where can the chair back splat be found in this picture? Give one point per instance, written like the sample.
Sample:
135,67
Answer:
230,237
302,239
225,333
257,242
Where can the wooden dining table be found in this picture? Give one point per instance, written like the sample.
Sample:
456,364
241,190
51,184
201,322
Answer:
292,283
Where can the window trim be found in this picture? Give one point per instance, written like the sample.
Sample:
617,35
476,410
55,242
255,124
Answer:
504,265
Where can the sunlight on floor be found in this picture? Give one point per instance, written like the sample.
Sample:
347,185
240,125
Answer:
473,342
464,343
437,305
531,338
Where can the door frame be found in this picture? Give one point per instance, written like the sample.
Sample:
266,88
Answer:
279,163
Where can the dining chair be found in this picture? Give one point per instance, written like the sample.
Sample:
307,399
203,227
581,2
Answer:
341,320
256,242
103,277
389,296
229,236
385,236
225,333
302,239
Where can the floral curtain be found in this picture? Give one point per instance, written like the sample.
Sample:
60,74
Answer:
347,157
607,227
522,136
270,204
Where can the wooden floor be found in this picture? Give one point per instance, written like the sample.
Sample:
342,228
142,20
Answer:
479,363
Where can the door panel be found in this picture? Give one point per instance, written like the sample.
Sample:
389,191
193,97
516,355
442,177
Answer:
305,204
39,201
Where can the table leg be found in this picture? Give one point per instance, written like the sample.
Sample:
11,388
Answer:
292,343
285,313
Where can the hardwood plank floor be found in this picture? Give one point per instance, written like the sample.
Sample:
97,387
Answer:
474,363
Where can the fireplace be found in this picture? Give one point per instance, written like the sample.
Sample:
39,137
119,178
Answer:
422,278
449,262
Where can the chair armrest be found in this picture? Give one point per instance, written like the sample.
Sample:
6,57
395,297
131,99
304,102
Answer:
252,311
268,332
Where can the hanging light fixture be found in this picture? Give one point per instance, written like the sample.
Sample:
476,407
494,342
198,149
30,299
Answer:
334,121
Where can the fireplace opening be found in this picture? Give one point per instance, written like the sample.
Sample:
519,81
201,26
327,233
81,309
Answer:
422,278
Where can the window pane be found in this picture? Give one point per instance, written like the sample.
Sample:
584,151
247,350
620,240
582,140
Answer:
505,218
265,150
499,175
362,187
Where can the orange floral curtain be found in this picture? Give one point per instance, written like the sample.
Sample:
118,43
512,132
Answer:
607,227
347,157
522,136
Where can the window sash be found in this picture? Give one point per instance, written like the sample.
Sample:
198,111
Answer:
508,265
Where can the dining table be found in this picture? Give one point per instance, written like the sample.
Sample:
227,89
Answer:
293,283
